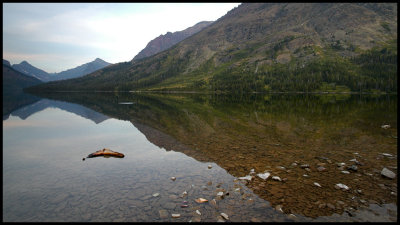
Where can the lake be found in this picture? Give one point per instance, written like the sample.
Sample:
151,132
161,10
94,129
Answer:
322,156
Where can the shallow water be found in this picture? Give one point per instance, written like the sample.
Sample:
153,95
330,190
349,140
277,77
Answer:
164,136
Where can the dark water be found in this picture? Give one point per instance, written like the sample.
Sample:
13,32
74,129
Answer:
181,135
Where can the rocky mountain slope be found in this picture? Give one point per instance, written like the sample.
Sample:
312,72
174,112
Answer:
169,39
269,47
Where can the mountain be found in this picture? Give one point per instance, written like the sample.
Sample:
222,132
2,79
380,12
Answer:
13,84
308,47
26,68
14,80
80,70
166,41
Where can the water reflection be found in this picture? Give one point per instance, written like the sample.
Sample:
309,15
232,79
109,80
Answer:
276,134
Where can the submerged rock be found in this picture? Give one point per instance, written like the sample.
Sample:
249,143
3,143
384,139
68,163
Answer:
263,176
248,177
224,216
341,186
316,184
387,173
276,178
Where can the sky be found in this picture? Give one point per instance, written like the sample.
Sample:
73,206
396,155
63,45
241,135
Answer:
58,36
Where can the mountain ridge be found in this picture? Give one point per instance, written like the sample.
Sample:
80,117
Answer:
84,69
169,39
266,47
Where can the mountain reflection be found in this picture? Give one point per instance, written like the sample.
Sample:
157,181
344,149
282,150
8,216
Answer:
24,111
274,133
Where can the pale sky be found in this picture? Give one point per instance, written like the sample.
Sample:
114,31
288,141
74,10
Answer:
58,36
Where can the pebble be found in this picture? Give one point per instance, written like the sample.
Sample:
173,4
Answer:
263,176
305,166
281,167
255,220
387,154
305,175
316,184
173,178
201,200
308,169
330,206
248,177
359,191
387,173
321,169
220,194
341,186
341,164
276,178
345,172
213,203
209,166
386,126
279,208
156,194
294,164
176,215
252,171
224,216
163,213
353,167
198,212
184,206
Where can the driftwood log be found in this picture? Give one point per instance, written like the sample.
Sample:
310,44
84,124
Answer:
106,153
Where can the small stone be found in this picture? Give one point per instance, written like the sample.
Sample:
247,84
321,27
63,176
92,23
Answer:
387,154
363,201
224,216
255,220
184,193
213,203
281,167
359,191
386,126
220,194
387,173
393,193
176,215
209,166
263,176
201,200
173,178
279,208
321,169
156,194
341,186
353,168
184,206
305,175
308,169
330,206
248,177
276,178
345,172
163,213
305,166
294,164
292,216
316,184
198,212
341,164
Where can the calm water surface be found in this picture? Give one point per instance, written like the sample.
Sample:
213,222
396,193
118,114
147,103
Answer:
164,136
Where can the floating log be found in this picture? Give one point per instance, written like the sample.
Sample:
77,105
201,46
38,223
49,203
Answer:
106,153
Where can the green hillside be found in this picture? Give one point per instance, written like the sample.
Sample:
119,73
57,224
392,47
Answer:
307,47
